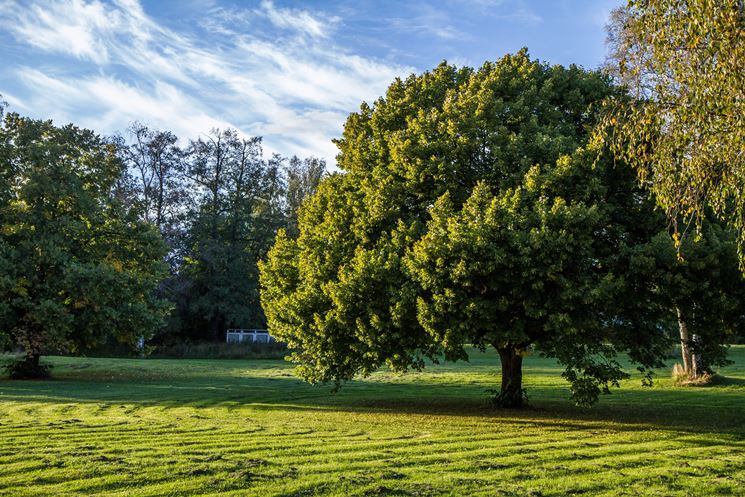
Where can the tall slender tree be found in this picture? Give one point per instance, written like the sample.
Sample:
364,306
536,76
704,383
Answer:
684,128
155,164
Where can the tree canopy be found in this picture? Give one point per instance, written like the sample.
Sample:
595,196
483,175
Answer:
684,127
78,266
468,212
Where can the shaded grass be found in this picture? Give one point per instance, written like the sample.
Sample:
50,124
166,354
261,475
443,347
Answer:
221,350
206,427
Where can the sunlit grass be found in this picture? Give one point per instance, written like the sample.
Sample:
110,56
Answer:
211,427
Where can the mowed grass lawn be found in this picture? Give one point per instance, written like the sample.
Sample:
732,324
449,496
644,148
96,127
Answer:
230,427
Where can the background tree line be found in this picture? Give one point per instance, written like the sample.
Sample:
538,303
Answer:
107,241
217,202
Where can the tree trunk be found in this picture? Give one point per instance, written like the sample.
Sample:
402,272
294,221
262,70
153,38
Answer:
33,359
689,362
511,393
29,368
697,366
215,329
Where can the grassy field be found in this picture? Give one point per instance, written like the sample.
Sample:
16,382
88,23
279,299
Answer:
230,427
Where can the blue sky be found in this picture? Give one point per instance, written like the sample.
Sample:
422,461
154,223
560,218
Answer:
289,71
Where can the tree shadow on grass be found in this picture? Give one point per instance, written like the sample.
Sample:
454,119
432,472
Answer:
694,410
628,414
727,381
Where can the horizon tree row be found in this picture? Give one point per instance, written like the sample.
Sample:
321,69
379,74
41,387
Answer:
218,203
104,241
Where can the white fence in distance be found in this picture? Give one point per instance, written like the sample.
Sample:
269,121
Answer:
253,335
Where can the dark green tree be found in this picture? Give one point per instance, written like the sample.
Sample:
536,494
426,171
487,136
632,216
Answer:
235,213
698,290
468,213
79,267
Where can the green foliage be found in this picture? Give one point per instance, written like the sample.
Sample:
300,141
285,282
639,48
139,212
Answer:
230,226
302,178
218,204
27,369
468,213
700,280
79,266
685,125
503,268
589,378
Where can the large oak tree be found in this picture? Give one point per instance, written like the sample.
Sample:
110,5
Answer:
468,213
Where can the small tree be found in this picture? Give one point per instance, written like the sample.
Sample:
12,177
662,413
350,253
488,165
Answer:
80,267
701,292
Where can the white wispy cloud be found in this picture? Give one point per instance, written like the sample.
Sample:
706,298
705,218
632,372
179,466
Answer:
427,20
525,15
295,89
110,104
79,29
298,20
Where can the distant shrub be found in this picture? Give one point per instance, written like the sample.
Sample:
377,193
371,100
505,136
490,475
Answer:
221,350
22,369
682,379
108,348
